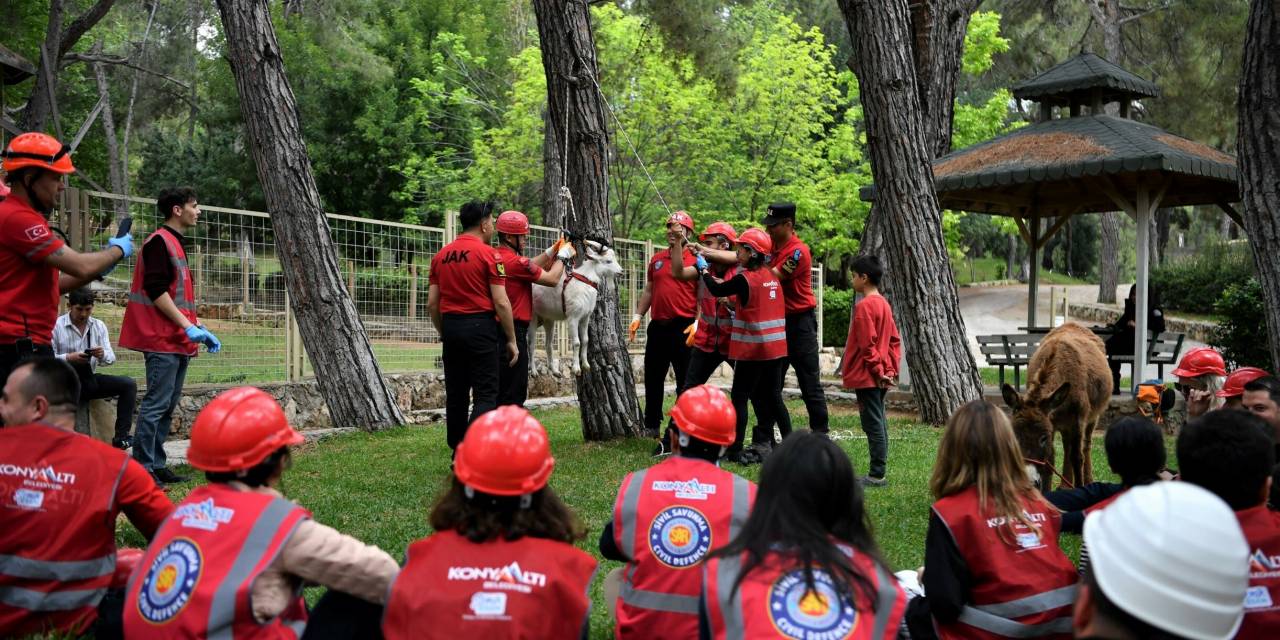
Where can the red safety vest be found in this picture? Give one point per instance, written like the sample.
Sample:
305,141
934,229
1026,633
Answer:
714,327
666,519
760,326
1022,588
195,578
145,328
57,528
773,601
453,588
1262,601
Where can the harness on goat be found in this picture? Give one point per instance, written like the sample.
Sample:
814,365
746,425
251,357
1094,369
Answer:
564,286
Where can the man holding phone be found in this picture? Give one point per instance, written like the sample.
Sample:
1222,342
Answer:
83,342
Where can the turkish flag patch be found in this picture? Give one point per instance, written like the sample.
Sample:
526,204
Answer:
37,232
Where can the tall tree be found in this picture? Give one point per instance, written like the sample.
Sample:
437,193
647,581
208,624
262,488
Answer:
61,35
1259,141
606,394
346,368
924,293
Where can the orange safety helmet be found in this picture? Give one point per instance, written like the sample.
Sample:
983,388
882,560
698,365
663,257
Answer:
1201,361
719,228
683,219
239,429
1235,383
705,413
513,223
505,453
757,239
36,149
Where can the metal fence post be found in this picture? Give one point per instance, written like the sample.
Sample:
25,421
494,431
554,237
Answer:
822,285
289,374
450,226
413,290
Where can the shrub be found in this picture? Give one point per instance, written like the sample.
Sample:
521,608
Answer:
1238,336
836,304
1196,283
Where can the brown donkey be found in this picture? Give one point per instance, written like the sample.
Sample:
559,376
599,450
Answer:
1068,389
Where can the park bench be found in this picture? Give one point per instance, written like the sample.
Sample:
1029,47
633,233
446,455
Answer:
1162,350
1009,350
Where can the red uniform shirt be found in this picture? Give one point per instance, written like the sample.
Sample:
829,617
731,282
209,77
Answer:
671,298
60,493
795,274
1261,528
521,274
873,348
463,270
28,287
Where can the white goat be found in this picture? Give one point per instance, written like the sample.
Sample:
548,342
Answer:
573,299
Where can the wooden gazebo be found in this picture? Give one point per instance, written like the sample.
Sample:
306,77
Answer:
1085,161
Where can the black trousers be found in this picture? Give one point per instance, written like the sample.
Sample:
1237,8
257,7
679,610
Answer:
513,382
1119,344
802,355
701,365
471,353
757,382
664,349
341,616
10,357
123,389
873,424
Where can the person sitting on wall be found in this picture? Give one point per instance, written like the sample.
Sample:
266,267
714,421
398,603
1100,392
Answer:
83,342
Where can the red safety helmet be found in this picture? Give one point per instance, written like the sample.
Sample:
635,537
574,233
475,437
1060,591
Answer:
1235,383
513,223
36,149
719,228
127,560
757,239
239,429
683,219
505,453
705,413
1201,361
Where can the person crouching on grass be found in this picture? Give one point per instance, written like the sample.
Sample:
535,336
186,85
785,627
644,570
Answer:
870,364
992,540
502,562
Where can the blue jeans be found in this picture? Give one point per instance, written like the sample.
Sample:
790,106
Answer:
165,375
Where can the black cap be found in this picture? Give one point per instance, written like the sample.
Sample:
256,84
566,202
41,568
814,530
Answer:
779,212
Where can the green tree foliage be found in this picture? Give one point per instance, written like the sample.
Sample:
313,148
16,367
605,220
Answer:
1242,312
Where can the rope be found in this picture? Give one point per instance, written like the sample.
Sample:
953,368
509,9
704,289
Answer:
630,144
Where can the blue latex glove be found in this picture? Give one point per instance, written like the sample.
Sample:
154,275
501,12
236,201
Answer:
700,263
795,255
198,334
125,243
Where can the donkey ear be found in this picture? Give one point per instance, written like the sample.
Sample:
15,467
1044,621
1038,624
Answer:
1059,398
1011,397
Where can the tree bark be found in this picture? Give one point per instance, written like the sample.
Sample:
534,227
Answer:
925,301
335,339
115,168
1106,13
1259,145
607,398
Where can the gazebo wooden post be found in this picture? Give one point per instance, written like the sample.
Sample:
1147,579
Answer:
1143,218
1034,277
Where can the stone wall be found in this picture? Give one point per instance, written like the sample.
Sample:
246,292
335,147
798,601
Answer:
1198,330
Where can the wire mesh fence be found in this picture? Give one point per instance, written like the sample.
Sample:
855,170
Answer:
241,294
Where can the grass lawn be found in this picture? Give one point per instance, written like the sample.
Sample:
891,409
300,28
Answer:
379,487
991,377
988,269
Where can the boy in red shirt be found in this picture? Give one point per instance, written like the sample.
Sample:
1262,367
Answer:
870,364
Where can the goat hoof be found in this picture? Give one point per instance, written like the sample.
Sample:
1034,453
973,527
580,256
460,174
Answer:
577,371
586,367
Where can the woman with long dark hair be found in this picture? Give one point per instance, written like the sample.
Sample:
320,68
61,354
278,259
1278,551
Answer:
805,563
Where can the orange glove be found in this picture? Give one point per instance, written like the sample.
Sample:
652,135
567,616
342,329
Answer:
633,328
555,247
690,332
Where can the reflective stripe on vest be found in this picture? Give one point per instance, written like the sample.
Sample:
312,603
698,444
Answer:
222,610
669,602
31,600
630,505
65,571
996,617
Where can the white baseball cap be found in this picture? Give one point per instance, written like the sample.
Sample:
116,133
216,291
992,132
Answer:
1172,555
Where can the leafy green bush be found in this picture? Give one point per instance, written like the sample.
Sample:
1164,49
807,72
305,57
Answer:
836,304
1241,335
1196,283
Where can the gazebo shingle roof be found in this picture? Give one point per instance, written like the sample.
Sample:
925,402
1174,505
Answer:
1079,76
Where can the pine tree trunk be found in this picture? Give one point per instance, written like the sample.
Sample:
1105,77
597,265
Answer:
335,339
1259,146
606,394
925,301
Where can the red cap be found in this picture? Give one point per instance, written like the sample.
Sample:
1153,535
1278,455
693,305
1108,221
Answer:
505,453
238,429
720,228
513,223
705,413
36,149
1201,361
1234,386
683,219
757,239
